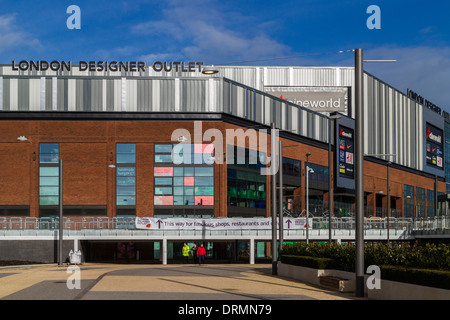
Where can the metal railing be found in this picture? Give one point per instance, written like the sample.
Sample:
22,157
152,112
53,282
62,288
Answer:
128,223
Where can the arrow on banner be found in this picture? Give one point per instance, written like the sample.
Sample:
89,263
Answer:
289,223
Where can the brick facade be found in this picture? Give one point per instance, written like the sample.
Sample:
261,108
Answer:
88,147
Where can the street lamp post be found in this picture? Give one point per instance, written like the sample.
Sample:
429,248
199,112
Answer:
60,237
307,195
280,173
330,185
273,143
359,159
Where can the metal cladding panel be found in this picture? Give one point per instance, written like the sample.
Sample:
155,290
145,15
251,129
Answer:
393,122
144,95
276,76
23,94
35,94
193,95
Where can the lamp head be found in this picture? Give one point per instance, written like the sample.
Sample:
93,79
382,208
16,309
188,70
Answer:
210,70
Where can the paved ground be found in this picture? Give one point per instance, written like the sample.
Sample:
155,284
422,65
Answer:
158,282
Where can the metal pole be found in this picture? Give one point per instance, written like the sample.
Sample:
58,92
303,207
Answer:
60,235
330,188
435,196
388,204
307,201
274,197
280,173
359,160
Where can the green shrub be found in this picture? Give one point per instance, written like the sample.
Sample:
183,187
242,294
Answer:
423,277
427,265
309,262
429,256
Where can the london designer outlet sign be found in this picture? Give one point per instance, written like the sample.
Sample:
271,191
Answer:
132,66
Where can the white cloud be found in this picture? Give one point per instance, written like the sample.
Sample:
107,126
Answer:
199,31
11,35
425,70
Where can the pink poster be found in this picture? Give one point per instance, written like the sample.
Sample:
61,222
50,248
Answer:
163,171
189,181
164,200
204,148
204,200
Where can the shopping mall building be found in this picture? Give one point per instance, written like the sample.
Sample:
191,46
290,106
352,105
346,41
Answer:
118,132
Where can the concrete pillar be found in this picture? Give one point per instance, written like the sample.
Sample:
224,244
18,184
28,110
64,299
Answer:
75,244
164,251
252,251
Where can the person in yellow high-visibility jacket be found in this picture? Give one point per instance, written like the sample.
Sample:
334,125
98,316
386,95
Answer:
185,252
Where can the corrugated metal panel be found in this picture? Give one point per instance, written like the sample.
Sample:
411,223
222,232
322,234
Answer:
131,95
392,121
34,94
193,93
1,93
276,76
6,93
144,95
167,95
13,101
23,94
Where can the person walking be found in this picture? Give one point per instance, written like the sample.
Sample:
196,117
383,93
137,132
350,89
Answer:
201,252
194,252
185,251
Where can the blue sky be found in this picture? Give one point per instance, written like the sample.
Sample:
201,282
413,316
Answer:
415,33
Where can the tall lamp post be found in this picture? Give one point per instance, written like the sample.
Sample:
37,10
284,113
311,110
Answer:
308,170
273,151
60,237
330,176
280,176
359,161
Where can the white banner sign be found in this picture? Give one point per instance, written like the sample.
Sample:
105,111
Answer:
217,224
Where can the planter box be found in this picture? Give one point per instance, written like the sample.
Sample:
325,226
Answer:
390,290
313,276
393,290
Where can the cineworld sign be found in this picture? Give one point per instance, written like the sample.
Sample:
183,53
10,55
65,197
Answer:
320,101
100,66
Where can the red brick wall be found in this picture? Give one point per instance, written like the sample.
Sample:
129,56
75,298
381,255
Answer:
86,148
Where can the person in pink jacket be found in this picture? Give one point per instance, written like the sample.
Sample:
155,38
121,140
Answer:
201,252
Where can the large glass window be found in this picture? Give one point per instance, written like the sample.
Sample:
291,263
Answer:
246,187
48,174
48,152
183,175
430,203
291,167
408,199
420,199
126,153
48,186
125,176
126,186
